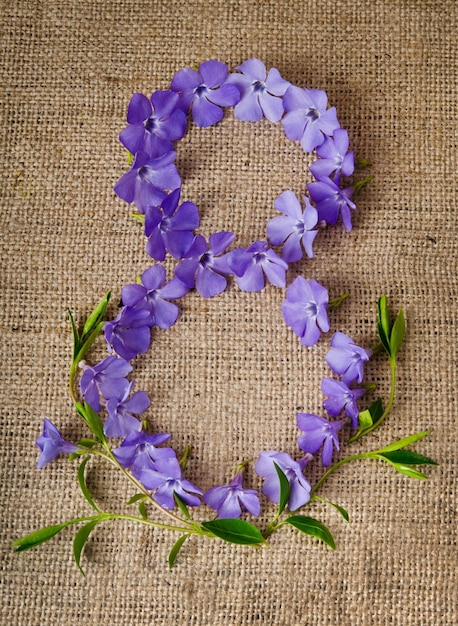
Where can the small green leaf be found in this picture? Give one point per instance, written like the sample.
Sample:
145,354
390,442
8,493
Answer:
142,510
365,420
175,549
76,339
136,498
84,487
80,539
406,441
95,317
376,410
397,333
284,490
37,537
406,457
313,527
339,508
235,531
92,419
383,324
181,505
409,471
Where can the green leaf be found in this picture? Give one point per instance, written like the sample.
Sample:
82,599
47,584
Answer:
339,508
80,539
37,537
313,527
365,420
376,410
142,510
76,339
84,487
92,419
383,324
235,531
175,549
136,498
397,333
181,505
96,316
284,490
406,441
406,457
408,471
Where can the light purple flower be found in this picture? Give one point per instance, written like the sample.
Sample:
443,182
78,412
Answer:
153,123
331,201
226,499
102,378
340,397
299,486
204,265
306,119
250,264
260,93
347,359
129,334
305,309
334,157
139,451
146,181
170,229
204,92
120,421
154,297
317,432
293,228
51,444
166,479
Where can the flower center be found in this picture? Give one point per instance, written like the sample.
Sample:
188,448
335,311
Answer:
313,114
200,90
151,124
258,86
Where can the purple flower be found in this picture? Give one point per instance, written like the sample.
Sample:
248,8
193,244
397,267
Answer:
250,264
129,334
120,421
347,359
153,124
305,309
226,499
293,228
102,378
331,200
340,397
51,444
204,92
204,265
334,156
166,479
306,117
318,432
148,178
299,486
260,93
139,451
170,229
150,295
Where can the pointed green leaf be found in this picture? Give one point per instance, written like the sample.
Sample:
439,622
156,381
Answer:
136,498
84,487
409,471
406,441
235,531
76,339
376,410
175,549
339,508
96,316
365,420
284,489
397,333
80,539
87,341
383,324
142,510
181,505
406,457
92,419
37,537
313,527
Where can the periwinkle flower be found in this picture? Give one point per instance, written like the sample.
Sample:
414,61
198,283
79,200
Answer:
146,182
170,229
334,157
305,309
260,92
226,499
51,443
154,296
139,451
129,334
331,201
307,120
294,228
153,123
293,470
102,378
167,479
204,91
120,407
317,432
347,359
251,264
341,397
205,263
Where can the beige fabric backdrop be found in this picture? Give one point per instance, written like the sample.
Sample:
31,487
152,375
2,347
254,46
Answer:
229,377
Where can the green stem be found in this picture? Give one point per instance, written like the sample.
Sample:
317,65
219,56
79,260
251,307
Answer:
333,468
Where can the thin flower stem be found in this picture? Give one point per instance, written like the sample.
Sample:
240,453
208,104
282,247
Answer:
333,468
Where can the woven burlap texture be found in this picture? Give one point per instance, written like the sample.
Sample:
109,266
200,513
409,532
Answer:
229,377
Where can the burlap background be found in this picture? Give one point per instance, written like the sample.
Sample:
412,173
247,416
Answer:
229,376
